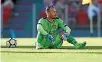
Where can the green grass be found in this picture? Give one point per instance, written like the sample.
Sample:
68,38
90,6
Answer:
26,52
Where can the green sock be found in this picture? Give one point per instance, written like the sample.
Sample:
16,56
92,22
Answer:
71,40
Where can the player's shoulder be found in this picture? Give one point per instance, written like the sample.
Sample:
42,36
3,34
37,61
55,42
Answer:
43,18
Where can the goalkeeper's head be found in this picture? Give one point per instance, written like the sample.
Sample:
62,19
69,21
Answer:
51,12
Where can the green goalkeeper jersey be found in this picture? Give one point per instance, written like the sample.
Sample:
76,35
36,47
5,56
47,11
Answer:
46,26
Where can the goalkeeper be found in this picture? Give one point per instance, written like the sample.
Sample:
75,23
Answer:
52,31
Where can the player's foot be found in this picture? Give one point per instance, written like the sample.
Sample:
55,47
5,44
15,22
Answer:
80,45
37,46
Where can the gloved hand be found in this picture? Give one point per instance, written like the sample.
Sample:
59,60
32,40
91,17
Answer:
50,38
65,36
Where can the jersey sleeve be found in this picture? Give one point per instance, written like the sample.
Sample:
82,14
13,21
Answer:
63,26
40,27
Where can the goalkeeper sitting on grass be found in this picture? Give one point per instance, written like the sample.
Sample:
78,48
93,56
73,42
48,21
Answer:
52,31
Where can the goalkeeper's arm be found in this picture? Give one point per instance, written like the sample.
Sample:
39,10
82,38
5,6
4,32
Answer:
67,29
41,30
64,26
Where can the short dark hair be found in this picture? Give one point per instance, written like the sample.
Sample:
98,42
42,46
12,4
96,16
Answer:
48,8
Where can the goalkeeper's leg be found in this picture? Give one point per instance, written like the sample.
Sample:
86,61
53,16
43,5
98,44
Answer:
77,45
71,39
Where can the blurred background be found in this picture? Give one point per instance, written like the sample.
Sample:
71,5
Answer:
22,16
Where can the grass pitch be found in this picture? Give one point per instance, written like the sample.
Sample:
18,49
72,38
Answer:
26,52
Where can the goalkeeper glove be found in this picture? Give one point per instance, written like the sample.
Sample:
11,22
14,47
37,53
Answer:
65,36
50,38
